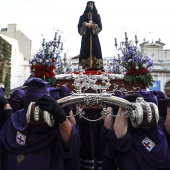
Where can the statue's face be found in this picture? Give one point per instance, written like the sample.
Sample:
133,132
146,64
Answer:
90,6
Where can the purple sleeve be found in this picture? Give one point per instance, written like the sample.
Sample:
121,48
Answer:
123,144
1,156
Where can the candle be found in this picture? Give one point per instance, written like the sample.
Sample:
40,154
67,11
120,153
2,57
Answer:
64,70
125,34
136,40
107,62
59,38
118,57
61,46
55,37
43,41
65,55
80,68
48,50
115,42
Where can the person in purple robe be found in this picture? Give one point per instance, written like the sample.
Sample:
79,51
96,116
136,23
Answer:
2,91
160,99
89,26
160,94
5,108
163,107
108,156
137,148
26,147
16,99
5,113
164,118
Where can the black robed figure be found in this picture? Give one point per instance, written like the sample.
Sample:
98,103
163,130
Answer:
88,27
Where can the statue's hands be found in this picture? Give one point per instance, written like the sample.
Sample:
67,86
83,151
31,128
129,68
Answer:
89,25
85,24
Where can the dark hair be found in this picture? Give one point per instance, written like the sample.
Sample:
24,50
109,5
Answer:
94,8
90,2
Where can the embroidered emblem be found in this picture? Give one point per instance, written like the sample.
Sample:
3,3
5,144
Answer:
148,143
20,158
20,138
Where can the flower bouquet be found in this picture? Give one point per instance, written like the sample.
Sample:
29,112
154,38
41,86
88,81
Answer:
135,66
44,64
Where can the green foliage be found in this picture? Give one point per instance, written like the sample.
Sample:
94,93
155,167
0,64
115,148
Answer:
5,55
52,81
7,84
135,66
147,79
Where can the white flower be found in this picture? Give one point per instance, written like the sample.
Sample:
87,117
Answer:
47,61
136,67
34,63
144,65
130,60
40,60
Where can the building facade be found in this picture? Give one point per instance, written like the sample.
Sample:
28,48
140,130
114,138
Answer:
25,44
20,54
161,59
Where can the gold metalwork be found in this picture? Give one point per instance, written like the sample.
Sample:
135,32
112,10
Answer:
97,63
90,15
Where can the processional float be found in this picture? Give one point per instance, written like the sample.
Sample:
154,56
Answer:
98,91
89,93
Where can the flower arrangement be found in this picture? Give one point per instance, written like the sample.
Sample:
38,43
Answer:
135,66
45,63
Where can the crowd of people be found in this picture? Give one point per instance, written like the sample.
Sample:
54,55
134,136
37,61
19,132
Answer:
34,146
144,148
122,146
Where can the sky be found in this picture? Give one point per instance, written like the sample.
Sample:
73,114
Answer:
149,19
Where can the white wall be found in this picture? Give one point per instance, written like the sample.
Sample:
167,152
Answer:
19,71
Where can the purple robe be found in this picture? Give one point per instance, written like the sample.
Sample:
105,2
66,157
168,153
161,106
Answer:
108,156
132,153
91,140
34,148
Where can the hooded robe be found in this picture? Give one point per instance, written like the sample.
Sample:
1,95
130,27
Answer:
35,148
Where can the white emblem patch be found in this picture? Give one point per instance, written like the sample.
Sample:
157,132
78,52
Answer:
20,138
148,143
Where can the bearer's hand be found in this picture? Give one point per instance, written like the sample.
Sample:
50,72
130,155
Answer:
50,104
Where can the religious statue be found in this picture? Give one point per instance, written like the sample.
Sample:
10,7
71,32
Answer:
88,27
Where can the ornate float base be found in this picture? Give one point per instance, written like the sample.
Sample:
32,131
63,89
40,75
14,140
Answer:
117,86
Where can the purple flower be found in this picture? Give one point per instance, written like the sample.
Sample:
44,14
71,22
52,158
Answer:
48,63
